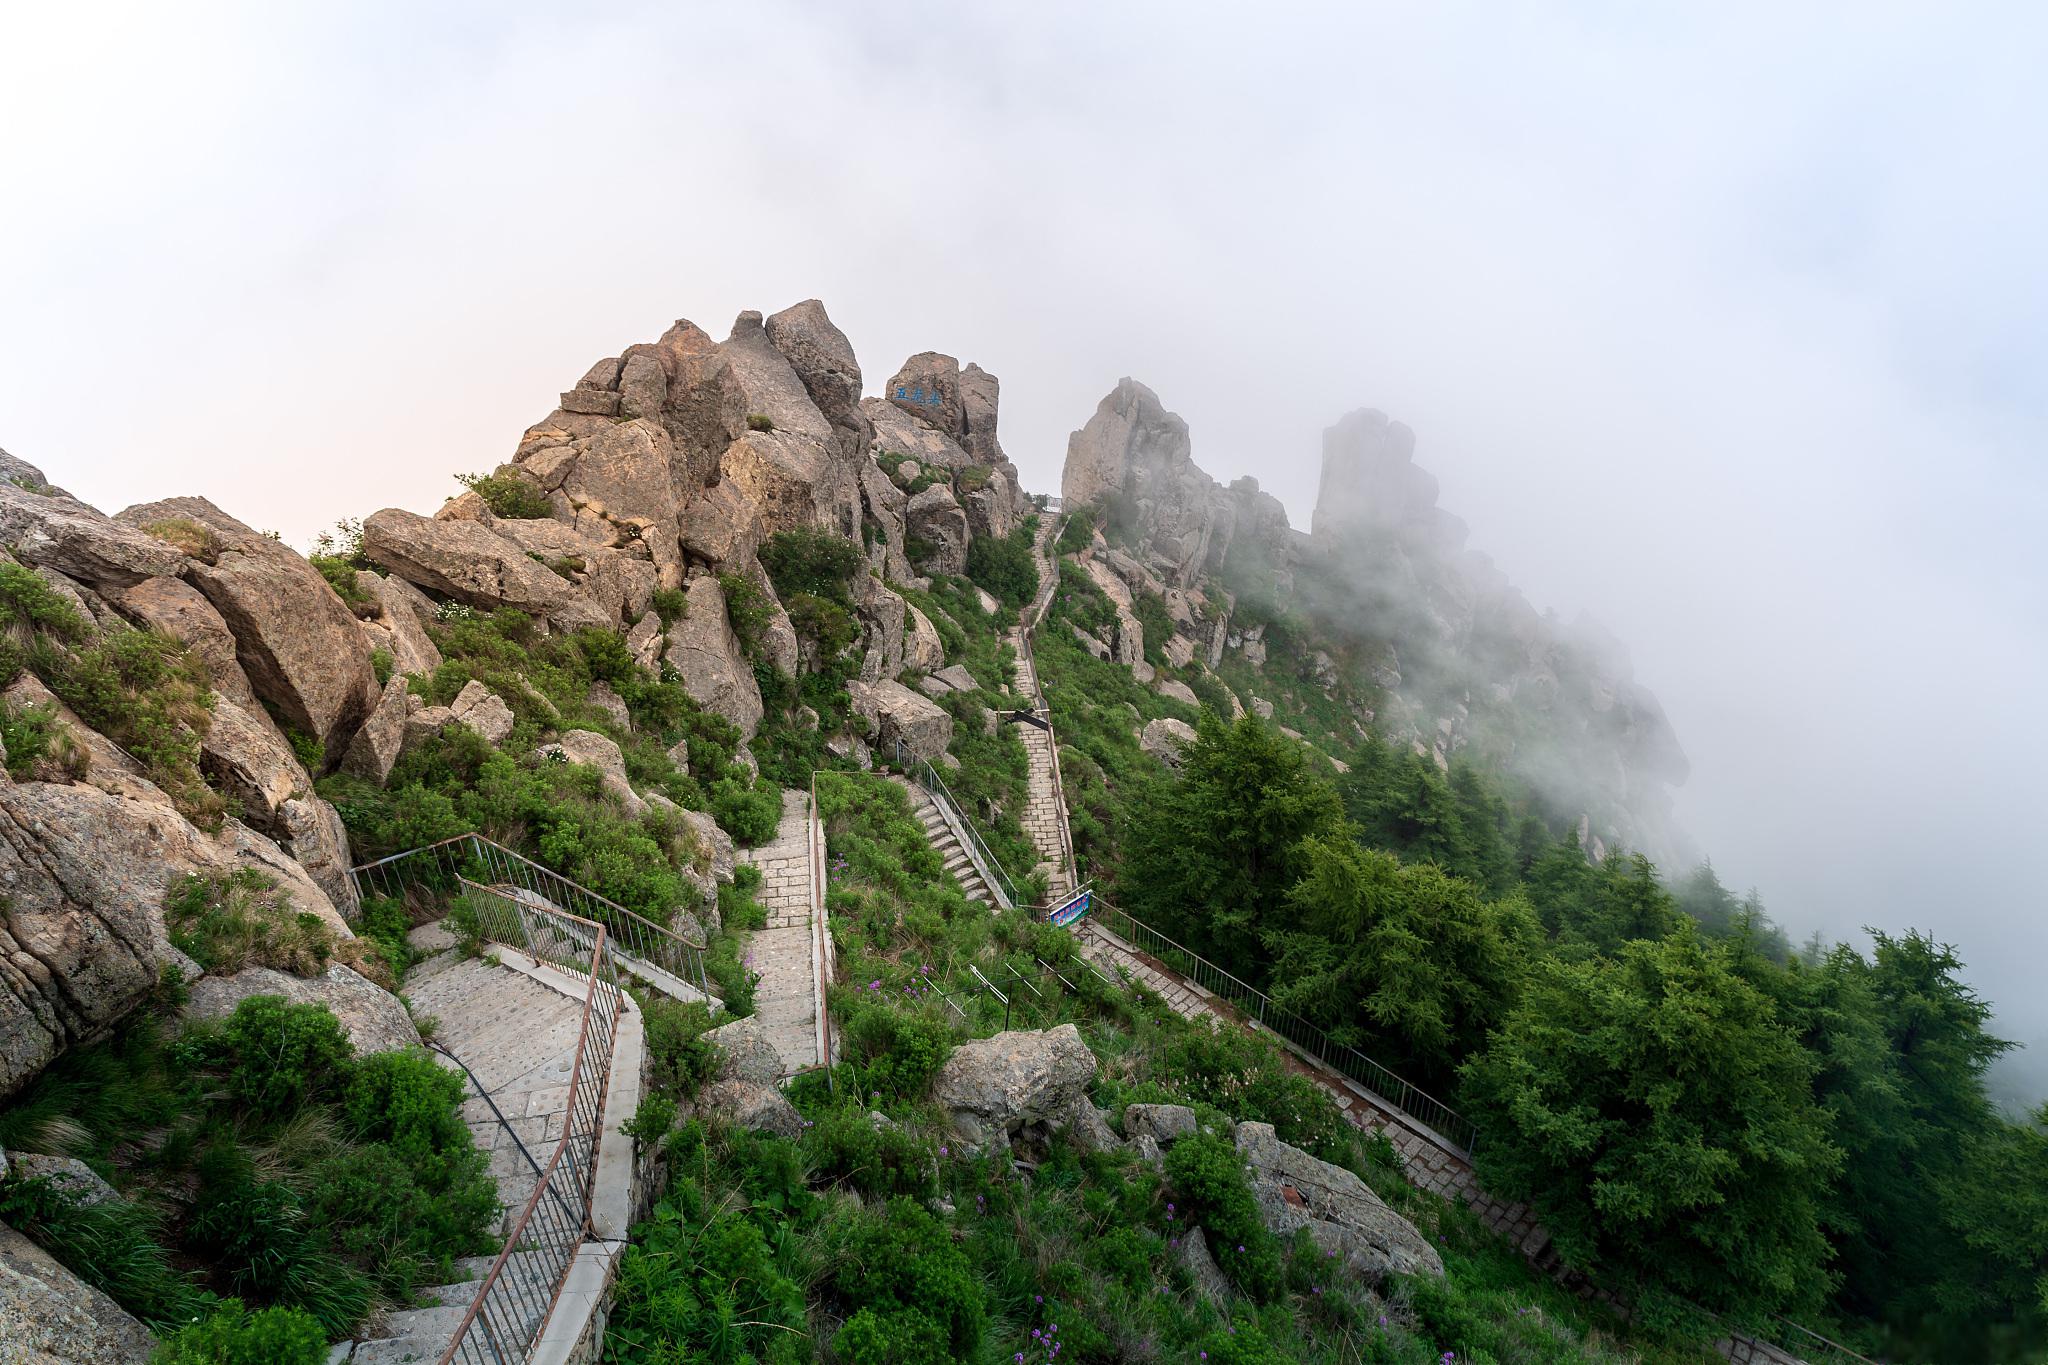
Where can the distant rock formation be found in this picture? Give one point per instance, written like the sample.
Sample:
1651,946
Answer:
1428,640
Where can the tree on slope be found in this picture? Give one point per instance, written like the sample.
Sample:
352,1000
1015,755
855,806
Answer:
1658,1116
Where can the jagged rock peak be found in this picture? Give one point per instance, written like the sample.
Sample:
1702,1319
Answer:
1371,483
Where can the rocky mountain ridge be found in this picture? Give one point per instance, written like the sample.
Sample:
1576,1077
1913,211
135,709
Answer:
1381,607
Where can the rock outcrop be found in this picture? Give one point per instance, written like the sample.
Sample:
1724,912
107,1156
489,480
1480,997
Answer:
1296,1190
706,654
994,1088
372,1017
48,1316
901,717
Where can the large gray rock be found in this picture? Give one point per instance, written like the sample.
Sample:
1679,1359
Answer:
482,710
1165,1124
720,854
979,396
823,359
464,560
901,716
1295,1190
23,475
48,1316
707,656
992,1088
935,517
958,678
85,873
373,1018
1191,1249
923,650
405,613
751,1105
374,751
1132,446
296,640
244,756
745,1052
1165,739
615,484
81,542
1178,691
928,389
317,840
69,1176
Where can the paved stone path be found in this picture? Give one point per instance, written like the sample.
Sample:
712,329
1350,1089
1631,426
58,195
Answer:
787,1001
519,1038
1044,818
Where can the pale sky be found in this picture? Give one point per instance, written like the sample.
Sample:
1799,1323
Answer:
1725,327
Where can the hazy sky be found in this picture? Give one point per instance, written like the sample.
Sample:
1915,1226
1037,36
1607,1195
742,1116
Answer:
1728,328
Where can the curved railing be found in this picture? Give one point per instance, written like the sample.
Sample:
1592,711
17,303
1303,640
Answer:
519,1291
645,947
985,862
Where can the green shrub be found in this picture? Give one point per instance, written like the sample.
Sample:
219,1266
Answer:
905,1262
679,1060
828,626
381,664
30,605
749,611
760,422
30,733
670,604
195,538
283,1055
738,910
1004,567
341,576
509,495
1207,1177
150,695
231,1335
903,1337
1078,532
748,811
820,563
844,1144
897,1053
255,1232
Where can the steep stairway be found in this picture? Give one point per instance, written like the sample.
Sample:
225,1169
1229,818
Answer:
785,952
1045,813
420,1336
959,866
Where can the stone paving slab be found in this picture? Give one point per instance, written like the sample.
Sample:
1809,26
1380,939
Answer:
786,1001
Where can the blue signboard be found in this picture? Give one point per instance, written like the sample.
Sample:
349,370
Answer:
1073,910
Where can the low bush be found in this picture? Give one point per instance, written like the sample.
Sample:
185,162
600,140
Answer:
679,1059
1005,566
280,1055
896,1052
509,495
904,1264
232,1335
819,563
1207,1177
116,1247
226,922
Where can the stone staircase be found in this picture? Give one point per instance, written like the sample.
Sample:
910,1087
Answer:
959,866
420,1336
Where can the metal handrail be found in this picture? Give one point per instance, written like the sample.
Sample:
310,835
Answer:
1400,1096
978,852
639,941
512,1304
824,953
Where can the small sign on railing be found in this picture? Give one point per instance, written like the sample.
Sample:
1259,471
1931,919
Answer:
1073,909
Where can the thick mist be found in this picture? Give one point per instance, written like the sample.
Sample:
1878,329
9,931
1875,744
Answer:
1723,327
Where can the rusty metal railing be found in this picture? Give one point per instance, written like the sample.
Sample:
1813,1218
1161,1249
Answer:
1048,588
519,1291
663,957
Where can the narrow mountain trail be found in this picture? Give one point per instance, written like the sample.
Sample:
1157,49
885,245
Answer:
1045,814
784,953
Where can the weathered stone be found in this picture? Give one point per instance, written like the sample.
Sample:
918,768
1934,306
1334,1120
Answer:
823,359
751,1105
979,397
958,678
316,839
935,517
1088,1127
463,560
1178,691
405,612
85,873
593,750
374,751
1295,1190
1165,739
1089,642
607,700
182,612
721,526
1132,446
81,542
905,473
993,1087
1166,1124
1262,708
643,387
928,389
934,687
720,854
483,711
707,656
373,1018
296,640
243,755
48,1316
901,716
69,1176
745,1052
884,615
923,650
1192,1250
29,478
